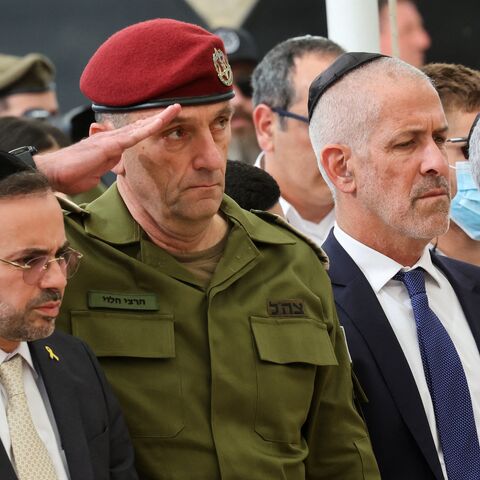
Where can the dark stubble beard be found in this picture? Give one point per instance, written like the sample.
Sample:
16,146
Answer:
18,326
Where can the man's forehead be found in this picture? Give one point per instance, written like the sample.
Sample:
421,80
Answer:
31,221
25,208
189,113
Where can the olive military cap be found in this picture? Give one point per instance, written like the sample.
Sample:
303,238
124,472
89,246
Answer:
29,74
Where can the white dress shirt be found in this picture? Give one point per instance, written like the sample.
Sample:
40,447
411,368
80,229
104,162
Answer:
40,410
317,232
395,301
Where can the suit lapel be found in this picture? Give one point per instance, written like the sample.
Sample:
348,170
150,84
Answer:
354,295
6,470
63,400
467,290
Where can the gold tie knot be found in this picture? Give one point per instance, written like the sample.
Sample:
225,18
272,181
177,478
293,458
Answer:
11,376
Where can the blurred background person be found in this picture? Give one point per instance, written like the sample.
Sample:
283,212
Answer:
27,86
280,92
242,55
252,188
413,39
459,90
16,132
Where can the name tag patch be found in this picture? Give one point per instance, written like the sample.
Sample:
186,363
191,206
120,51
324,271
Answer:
123,301
286,308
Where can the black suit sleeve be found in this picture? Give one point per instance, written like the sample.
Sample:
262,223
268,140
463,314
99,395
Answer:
120,452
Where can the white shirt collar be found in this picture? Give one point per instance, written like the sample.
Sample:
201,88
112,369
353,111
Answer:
23,351
378,268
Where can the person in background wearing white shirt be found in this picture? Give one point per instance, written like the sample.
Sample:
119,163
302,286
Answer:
51,385
411,317
280,91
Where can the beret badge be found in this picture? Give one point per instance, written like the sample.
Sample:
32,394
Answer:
224,71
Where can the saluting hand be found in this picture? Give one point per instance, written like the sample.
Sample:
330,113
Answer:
78,168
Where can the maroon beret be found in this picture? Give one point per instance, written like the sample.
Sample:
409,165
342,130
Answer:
155,64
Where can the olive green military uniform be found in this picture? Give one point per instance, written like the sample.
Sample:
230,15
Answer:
248,379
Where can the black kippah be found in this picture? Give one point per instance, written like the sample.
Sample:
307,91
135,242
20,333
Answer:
339,68
10,164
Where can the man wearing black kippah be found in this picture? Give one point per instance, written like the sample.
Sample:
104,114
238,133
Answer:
215,326
410,316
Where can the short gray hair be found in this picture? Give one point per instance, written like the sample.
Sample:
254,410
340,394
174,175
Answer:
272,77
117,119
349,110
474,153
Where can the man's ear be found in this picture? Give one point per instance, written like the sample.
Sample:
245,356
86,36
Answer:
99,127
336,160
263,119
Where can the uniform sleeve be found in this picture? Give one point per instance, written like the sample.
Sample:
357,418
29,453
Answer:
338,441
121,450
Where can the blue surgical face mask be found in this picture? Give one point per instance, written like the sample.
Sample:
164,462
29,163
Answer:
465,206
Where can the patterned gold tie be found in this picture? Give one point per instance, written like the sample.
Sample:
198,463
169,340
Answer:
30,455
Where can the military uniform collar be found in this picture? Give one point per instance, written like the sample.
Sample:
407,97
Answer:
254,223
110,220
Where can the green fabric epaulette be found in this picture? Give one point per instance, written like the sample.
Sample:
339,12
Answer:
278,220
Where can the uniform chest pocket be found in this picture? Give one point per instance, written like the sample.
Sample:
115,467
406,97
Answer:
137,353
289,352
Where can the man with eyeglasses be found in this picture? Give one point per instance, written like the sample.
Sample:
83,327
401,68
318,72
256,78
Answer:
459,90
410,316
242,55
59,419
280,91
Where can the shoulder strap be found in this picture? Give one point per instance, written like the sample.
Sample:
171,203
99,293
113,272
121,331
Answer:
280,221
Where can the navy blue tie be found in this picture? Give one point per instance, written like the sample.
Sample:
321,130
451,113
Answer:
447,384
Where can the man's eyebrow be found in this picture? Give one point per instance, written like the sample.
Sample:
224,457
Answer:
227,110
443,129
38,251
29,252
64,247
414,129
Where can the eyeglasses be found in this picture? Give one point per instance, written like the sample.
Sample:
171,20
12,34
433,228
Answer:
286,113
35,268
463,148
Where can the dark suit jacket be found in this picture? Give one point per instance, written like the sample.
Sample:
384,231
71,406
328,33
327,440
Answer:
401,438
92,430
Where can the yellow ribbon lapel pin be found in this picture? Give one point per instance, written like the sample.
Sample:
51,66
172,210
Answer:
52,354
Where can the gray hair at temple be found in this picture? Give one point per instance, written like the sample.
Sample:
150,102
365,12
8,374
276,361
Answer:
474,153
349,111
272,77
